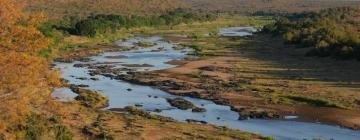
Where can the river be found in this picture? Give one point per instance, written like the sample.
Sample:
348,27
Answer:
122,94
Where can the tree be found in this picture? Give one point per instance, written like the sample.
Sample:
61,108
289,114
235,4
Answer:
25,78
331,32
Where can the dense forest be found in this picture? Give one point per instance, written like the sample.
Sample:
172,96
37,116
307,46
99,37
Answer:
110,23
101,24
331,32
252,6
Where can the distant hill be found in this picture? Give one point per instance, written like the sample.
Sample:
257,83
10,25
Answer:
83,8
61,8
250,6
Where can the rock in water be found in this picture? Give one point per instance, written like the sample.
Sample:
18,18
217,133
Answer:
180,103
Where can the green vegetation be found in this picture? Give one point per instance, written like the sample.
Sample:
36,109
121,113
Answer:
281,98
146,44
138,112
35,128
91,99
184,105
96,31
105,29
101,24
63,133
179,47
205,30
66,44
39,127
315,101
198,74
254,88
181,103
332,32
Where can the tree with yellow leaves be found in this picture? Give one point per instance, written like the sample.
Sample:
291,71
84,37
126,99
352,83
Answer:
25,78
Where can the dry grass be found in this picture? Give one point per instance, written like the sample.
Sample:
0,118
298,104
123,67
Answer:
249,6
57,9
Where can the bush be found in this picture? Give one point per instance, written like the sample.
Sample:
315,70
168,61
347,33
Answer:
63,133
35,127
38,126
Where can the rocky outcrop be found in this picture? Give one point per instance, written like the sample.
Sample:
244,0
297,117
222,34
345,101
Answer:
196,121
249,113
185,105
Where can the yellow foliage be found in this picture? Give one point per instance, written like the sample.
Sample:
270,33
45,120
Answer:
8,12
25,78
19,31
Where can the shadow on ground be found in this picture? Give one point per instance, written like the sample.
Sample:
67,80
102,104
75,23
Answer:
290,63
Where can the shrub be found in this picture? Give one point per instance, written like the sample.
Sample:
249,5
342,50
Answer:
63,133
35,127
38,126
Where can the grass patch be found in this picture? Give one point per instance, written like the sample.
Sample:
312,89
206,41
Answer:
315,101
197,49
249,86
280,98
63,133
90,98
40,127
146,44
179,47
199,74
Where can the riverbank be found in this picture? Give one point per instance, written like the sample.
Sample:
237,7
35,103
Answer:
250,79
81,52
214,77
111,70
72,47
87,122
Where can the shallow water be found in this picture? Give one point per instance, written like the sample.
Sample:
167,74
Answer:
237,31
151,99
64,94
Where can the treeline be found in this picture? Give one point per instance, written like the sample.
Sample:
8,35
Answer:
330,33
100,24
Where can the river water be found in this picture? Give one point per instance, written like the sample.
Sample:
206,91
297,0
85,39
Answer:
122,94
